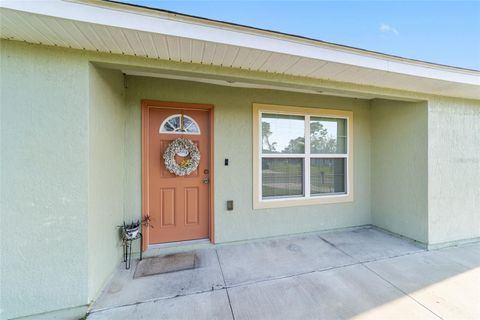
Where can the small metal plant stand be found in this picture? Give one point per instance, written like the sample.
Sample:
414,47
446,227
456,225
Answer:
127,249
129,234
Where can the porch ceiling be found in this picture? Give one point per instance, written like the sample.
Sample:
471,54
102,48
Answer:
129,30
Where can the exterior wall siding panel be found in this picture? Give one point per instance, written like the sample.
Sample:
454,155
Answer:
454,170
44,180
51,167
399,167
233,140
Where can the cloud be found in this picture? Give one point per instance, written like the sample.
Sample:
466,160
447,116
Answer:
388,29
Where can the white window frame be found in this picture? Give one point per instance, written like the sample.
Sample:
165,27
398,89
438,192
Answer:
306,199
178,132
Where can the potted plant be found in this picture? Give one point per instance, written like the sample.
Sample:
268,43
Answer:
131,230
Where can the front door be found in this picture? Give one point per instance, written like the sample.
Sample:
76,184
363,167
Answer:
177,203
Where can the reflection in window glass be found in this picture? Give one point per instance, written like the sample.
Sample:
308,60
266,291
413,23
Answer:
167,127
189,125
327,176
328,136
175,122
179,124
282,177
283,133
187,122
303,155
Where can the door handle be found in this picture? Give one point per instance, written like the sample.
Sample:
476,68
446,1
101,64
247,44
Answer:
205,180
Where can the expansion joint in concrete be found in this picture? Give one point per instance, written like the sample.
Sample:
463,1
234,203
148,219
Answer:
225,285
402,291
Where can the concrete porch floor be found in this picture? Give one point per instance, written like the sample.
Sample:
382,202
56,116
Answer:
360,273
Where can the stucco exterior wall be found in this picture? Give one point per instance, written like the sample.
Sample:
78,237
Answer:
106,174
44,179
399,167
454,170
58,211
62,172
233,140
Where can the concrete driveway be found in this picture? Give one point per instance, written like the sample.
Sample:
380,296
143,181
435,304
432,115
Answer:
360,273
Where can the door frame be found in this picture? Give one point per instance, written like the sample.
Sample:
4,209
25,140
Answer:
146,105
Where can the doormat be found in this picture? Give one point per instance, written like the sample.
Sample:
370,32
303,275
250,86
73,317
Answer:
164,264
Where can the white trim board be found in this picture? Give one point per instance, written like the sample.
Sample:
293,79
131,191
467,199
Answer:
157,34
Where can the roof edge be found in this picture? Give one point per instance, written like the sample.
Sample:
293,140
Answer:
277,34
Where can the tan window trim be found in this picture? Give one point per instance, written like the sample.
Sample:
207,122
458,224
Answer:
258,202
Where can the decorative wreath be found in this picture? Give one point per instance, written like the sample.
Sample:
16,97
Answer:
183,147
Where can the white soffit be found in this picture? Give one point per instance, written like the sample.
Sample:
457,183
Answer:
124,29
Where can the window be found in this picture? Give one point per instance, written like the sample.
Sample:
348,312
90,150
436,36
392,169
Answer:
179,124
302,156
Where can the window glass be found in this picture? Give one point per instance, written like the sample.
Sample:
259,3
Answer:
293,166
179,124
327,176
282,177
190,126
168,127
328,136
283,133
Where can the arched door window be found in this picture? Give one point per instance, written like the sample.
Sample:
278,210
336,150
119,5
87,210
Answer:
179,124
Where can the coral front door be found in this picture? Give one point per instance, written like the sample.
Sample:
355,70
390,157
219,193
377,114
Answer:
176,202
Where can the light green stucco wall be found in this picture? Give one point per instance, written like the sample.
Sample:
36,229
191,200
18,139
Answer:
454,170
399,167
57,244
62,173
44,179
106,175
233,140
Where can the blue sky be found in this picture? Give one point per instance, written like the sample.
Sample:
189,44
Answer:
445,32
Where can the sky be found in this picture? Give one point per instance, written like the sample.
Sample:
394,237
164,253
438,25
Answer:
444,32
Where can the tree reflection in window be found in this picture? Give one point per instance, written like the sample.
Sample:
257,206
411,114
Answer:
179,124
283,133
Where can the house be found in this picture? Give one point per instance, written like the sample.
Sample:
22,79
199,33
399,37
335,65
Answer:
284,135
